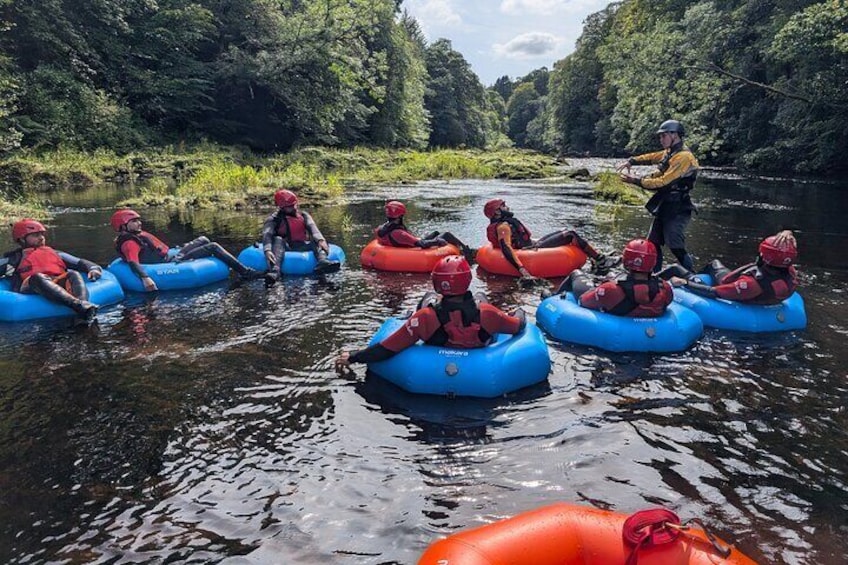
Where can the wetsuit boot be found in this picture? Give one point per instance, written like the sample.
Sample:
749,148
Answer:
40,284
324,265
603,263
245,272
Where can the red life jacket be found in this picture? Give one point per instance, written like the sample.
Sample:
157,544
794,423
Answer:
642,299
153,249
292,228
384,234
460,324
40,260
520,234
776,284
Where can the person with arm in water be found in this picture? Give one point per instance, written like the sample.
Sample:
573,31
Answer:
36,268
638,294
770,279
290,229
136,246
394,233
508,233
671,206
450,317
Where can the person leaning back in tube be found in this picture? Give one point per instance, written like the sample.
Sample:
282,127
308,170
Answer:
450,317
136,246
507,233
770,279
671,206
394,233
36,268
290,229
638,294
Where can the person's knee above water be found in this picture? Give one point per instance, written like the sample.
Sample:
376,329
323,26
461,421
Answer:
671,204
508,233
638,294
394,233
290,229
36,268
770,279
453,319
136,246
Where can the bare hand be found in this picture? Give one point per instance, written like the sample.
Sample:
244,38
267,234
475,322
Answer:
94,274
270,259
149,285
623,166
678,281
323,245
342,364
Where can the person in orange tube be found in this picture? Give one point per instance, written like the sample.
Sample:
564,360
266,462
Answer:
638,294
394,233
508,233
450,317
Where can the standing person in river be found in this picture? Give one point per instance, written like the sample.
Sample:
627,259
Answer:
671,205
36,268
394,233
508,233
136,246
290,229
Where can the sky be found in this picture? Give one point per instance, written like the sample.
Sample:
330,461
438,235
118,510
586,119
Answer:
505,37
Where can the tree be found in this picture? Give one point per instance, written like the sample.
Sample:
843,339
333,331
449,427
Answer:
522,108
455,99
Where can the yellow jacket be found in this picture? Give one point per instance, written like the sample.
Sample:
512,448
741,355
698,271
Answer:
676,163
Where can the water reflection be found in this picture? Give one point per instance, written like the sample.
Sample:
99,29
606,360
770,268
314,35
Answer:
210,426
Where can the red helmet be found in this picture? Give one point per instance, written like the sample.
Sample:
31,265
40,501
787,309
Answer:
781,255
285,198
395,209
640,256
452,276
25,227
121,217
492,206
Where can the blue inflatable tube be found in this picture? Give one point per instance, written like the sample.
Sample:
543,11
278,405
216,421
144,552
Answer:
296,263
172,276
565,320
17,307
727,315
507,364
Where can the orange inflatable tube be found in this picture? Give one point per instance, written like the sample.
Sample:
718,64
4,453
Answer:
547,262
566,534
403,259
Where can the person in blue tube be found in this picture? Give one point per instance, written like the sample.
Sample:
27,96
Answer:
37,268
450,317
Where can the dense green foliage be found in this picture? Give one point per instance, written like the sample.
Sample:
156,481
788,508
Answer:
757,84
267,74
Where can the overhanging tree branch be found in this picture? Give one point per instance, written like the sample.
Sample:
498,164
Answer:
717,69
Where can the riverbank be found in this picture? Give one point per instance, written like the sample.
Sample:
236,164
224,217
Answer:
210,176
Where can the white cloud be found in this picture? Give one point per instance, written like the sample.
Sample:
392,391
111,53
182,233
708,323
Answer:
543,7
435,13
528,45
549,7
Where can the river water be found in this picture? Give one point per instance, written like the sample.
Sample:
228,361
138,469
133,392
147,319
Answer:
209,427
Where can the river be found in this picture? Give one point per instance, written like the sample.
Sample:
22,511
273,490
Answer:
210,427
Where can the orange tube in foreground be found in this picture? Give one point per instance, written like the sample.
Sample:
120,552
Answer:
566,534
